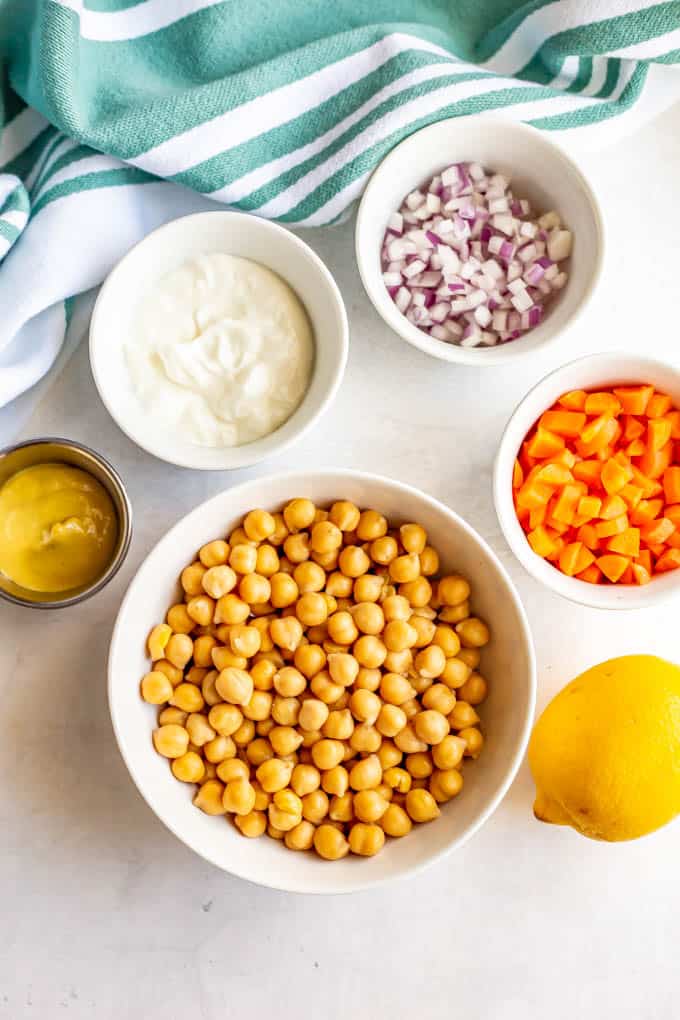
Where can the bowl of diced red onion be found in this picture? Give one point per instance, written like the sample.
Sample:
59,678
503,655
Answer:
479,240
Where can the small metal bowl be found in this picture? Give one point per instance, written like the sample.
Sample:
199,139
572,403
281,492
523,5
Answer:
66,451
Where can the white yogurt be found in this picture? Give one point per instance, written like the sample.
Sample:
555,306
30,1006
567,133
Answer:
223,351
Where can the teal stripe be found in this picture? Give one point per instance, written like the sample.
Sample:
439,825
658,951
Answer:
16,201
585,72
23,163
611,79
89,182
8,231
672,57
598,111
68,310
494,39
72,156
45,158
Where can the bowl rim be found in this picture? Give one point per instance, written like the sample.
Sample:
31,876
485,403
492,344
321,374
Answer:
594,596
125,524
513,764
453,353
234,457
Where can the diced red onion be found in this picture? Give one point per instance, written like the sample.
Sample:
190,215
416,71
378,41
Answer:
395,224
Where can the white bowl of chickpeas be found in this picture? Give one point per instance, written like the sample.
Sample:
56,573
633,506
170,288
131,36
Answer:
322,681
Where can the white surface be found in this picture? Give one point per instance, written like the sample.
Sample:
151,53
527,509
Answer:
537,169
116,313
106,916
506,717
590,373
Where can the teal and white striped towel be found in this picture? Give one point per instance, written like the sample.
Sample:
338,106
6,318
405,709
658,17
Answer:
277,107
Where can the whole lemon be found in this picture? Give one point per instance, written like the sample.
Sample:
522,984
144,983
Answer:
605,754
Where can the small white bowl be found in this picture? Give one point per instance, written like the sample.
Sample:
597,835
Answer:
507,714
591,373
164,250
539,171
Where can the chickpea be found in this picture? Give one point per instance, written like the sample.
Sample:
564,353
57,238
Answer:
190,579
405,568
395,689
454,614
187,697
473,633
368,617
289,682
259,525
470,656
311,609
368,588
239,537
340,809
214,554
281,531
369,651
209,798
462,715
225,719
369,806
390,720
367,679
310,659
179,619
399,635
353,561
313,714
286,632
208,689
238,797
156,688
252,825
474,689
343,668
231,769
408,741
330,843
259,707
299,514
430,726
235,686
231,609
243,558
335,781
325,537
188,768
430,661
262,798
366,840
179,650
283,590
171,741
224,658
323,688
244,640
389,754
413,538
274,775
474,741
452,590
300,837
219,749
421,805
371,525
338,585
285,810
339,725
203,647
447,639
267,561
383,550
305,779
309,577
199,729
344,515
273,832
418,592
365,706
254,589
327,753
195,675
395,822
245,733
342,629
218,581
429,561
328,561
366,774
157,641
285,740
296,547
173,674
397,779
440,698
315,806
455,673
399,662
444,785
365,738
424,629
172,715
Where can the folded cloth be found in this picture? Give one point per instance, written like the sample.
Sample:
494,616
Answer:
277,107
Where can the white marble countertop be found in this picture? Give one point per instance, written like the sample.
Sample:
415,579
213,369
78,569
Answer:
105,915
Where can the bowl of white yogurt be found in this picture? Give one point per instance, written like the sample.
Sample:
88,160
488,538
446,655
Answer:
218,340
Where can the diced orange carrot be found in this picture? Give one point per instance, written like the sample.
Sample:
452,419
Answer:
634,399
602,403
640,573
565,457
616,526
558,526
658,433
534,494
674,539
658,531
627,575
585,558
615,476
545,444
635,448
559,546
525,460
517,475
567,501
563,423
669,561
555,474
574,400
674,418
597,435
588,471
633,428
541,541
653,463
657,549
646,510
612,566
658,405
591,574
671,484
612,506
587,508
645,559
673,514
631,494
569,558
586,534
627,543
650,487
537,516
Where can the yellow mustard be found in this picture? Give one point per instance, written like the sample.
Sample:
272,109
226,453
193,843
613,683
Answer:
58,528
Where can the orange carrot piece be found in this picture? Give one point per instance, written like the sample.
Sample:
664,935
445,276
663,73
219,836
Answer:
537,516
588,471
567,501
545,444
671,484
657,532
563,423
633,428
586,534
587,508
658,405
584,560
612,506
635,448
597,435
674,418
602,403
615,476
591,574
654,462
631,494
673,514
647,510
674,539
565,457
645,559
612,566
574,400
640,573
517,475
650,487
658,433
569,558
657,549
541,541
533,494
555,474
634,399
627,575
525,460
627,543
616,526
670,560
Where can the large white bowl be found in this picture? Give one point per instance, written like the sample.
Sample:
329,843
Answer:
507,714
164,250
597,371
539,170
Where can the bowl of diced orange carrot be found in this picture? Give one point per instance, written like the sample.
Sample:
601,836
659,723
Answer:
587,481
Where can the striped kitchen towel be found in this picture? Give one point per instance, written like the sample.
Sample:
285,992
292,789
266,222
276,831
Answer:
277,107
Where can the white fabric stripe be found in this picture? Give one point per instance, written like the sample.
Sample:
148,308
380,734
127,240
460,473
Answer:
8,184
144,18
48,160
567,74
15,218
86,165
19,133
256,117
626,71
651,48
263,175
559,16
410,111
597,78
4,246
